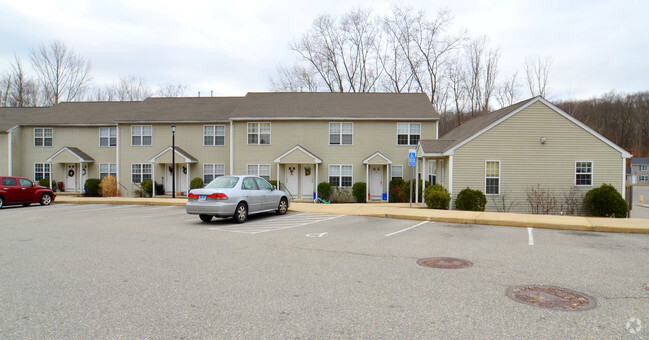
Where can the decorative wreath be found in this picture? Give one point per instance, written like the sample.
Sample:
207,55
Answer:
71,173
307,171
83,171
185,170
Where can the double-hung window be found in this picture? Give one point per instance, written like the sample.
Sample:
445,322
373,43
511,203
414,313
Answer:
41,170
341,133
107,169
107,136
140,172
261,170
408,133
583,173
43,136
644,167
341,175
492,177
397,171
212,171
644,178
214,135
141,135
259,133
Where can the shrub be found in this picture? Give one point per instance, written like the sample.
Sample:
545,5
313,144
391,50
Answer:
605,201
196,183
397,192
406,189
341,195
273,183
147,188
471,200
437,197
358,191
44,182
92,187
108,186
324,190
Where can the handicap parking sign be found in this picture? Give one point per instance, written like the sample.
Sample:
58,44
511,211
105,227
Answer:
412,157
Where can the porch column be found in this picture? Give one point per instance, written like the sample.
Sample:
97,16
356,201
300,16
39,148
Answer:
367,180
450,180
49,174
278,182
416,182
424,178
316,178
153,177
387,182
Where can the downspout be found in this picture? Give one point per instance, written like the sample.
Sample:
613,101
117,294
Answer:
232,148
117,147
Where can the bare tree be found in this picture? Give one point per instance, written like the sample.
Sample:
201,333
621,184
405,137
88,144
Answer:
63,74
537,70
5,87
171,90
508,92
482,70
401,62
296,79
130,88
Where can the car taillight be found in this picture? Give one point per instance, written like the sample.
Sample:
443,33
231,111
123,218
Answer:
192,196
218,196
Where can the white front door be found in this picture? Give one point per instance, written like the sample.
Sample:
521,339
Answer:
291,178
182,178
70,177
307,181
376,181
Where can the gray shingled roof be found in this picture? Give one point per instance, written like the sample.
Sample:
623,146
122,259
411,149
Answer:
468,129
10,116
639,160
335,105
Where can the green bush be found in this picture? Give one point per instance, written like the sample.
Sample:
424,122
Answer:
92,187
437,197
471,200
273,183
397,192
358,191
44,182
147,188
196,183
421,184
324,190
605,201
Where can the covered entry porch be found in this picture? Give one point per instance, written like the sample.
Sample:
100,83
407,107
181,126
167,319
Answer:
377,177
162,170
298,169
73,164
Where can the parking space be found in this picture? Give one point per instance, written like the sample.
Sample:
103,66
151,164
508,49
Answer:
97,271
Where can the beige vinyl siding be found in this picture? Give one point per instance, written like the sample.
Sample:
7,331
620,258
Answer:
4,154
552,165
313,135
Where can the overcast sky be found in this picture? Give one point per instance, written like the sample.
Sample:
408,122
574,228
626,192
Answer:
234,47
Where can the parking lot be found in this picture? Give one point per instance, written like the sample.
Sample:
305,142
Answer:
120,271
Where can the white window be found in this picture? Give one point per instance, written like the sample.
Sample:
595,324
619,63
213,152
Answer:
212,171
141,135
644,167
43,136
140,172
41,170
583,173
492,177
432,170
213,135
259,133
341,175
261,170
408,133
107,169
341,133
397,171
107,136
644,178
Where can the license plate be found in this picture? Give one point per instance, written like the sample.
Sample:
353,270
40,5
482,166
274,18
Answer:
201,197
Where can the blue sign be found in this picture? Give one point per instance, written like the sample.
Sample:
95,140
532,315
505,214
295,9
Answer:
412,157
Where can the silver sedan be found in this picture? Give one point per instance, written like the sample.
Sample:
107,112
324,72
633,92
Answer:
236,196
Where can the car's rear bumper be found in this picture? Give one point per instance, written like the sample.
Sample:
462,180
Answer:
213,208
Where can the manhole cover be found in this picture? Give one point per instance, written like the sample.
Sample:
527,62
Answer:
444,263
554,298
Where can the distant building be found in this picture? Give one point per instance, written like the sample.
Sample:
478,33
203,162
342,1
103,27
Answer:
638,172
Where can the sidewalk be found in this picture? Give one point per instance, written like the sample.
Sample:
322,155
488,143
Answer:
402,211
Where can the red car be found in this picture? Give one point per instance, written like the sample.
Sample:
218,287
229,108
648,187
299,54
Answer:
20,190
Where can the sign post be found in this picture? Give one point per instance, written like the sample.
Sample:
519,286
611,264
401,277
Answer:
412,161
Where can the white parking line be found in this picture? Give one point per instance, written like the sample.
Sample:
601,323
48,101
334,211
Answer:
402,230
530,236
288,222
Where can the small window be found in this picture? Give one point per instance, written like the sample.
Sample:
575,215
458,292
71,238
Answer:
492,177
41,170
107,136
141,135
259,133
25,182
644,167
107,169
212,171
644,178
583,173
261,170
408,133
341,133
43,136
249,184
9,181
397,171
263,185
341,175
214,135
140,172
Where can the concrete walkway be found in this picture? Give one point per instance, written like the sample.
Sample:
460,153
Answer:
402,211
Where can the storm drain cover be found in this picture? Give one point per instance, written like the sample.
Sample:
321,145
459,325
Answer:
551,297
444,263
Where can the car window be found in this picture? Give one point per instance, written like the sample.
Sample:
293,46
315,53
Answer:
9,181
223,182
263,185
249,184
26,182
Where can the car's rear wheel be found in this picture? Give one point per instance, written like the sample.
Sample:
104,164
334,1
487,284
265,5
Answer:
241,214
26,204
2,201
282,208
205,218
46,199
